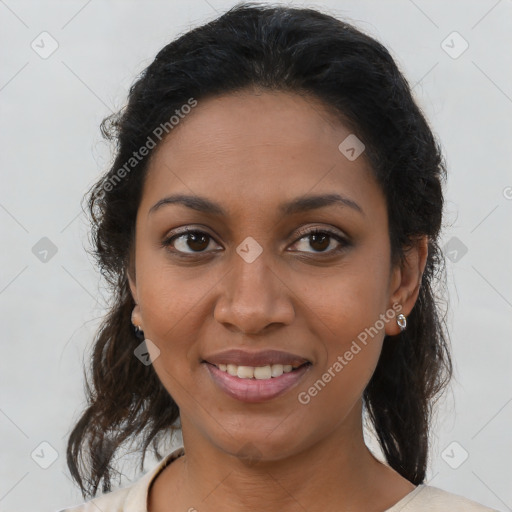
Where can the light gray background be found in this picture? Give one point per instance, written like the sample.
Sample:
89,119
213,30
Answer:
52,152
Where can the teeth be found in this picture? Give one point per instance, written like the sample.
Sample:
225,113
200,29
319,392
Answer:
258,372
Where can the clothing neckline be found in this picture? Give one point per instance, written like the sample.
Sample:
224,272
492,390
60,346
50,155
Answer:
137,498
151,476
399,505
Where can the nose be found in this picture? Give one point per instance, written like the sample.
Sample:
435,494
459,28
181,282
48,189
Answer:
253,298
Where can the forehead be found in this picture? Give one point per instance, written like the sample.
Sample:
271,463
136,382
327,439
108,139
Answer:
256,145
244,122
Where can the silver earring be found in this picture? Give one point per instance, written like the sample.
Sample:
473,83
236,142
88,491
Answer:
401,321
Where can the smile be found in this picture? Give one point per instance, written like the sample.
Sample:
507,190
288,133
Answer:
256,384
257,372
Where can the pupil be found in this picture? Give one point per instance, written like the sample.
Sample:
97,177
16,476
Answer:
195,238
322,238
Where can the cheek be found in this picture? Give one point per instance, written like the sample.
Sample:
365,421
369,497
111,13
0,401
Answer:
173,305
349,320
168,294
351,334
349,302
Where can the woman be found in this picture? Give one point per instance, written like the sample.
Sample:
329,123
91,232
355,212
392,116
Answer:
270,230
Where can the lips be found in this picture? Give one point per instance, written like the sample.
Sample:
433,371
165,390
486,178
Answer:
253,390
241,357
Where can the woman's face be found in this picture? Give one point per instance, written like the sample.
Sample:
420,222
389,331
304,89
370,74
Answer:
255,167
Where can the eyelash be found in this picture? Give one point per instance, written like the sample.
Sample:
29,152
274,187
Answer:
344,242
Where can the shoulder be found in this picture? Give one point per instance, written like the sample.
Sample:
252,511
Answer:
426,498
114,501
128,499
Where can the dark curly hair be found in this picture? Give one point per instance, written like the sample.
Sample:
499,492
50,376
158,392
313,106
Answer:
300,51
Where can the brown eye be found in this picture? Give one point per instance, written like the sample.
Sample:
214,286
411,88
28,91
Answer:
189,242
320,241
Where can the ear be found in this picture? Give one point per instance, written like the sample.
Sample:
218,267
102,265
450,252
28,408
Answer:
406,281
136,314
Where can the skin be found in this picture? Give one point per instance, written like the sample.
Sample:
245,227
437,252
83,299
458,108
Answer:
249,152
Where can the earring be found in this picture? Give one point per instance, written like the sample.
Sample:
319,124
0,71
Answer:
139,333
401,321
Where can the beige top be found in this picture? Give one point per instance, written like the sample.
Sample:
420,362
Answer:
133,498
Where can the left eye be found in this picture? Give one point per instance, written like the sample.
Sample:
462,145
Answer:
320,241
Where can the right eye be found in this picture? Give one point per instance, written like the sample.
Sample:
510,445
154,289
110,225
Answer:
188,242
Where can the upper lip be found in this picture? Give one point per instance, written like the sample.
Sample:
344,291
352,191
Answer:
262,358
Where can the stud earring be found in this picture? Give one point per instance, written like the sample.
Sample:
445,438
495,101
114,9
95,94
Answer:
139,333
401,321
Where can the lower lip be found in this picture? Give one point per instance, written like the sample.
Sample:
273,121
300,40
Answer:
256,390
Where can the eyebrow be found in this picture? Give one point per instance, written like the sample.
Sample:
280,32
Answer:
301,204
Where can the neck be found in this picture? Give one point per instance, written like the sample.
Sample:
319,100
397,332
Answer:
339,473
